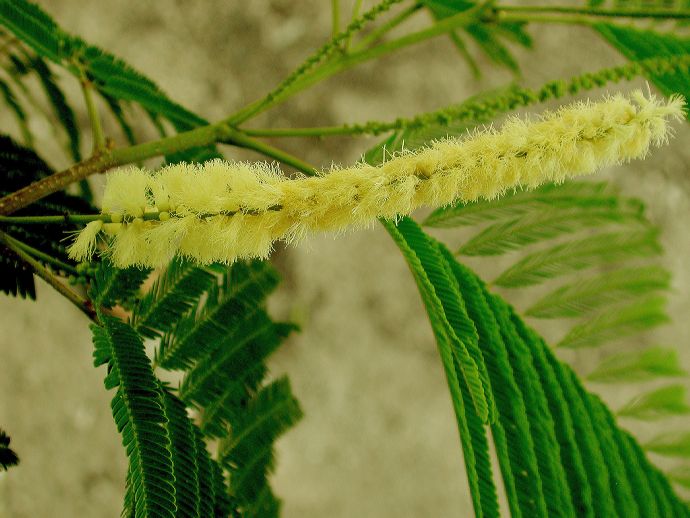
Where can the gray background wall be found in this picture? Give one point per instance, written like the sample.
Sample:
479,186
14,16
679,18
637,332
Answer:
379,437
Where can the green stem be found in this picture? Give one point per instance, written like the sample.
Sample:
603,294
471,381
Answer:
108,159
355,14
94,118
391,24
41,271
480,110
592,11
45,257
220,131
324,131
333,45
67,219
240,139
348,61
557,19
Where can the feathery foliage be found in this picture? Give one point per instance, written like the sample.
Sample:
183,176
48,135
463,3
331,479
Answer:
488,37
513,234
8,457
637,45
112,286
139,415
172,296
20,167
559,449
222,345
567,458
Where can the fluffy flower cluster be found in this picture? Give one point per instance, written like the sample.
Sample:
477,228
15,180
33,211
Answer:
221,211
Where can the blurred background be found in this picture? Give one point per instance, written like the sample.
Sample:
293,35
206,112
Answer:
379,437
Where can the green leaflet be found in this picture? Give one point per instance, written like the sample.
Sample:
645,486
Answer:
211,494
472,433
21,166
13,104
639,479
553,479
662,402
564,428
617,323
585,296
513,234
580,254
139,416
33,26
245,287
511,433
587,442
622,492
638,366
431,274
112,286
248,452
63,111
174,293
183,450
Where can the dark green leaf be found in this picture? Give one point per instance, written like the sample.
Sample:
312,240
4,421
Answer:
8,457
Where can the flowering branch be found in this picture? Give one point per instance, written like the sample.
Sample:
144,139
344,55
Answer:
221,212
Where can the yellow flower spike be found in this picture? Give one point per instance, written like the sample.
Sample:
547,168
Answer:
228,211
84,246
111,229
125,191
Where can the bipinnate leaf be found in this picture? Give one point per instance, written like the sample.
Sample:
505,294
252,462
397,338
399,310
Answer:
20,167
138,410
559,449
